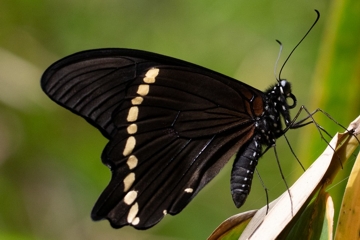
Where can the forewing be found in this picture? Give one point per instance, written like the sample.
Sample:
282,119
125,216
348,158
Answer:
92,84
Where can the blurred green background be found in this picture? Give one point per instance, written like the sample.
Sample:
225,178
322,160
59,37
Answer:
50,168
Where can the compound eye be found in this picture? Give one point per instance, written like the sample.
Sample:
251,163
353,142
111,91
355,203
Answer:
286,86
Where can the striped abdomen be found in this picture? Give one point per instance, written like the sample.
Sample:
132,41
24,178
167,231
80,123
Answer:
243,170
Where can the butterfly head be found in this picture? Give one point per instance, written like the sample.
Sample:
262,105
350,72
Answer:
285,91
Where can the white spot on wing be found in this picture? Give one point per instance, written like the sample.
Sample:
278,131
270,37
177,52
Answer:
129,146
132,128
151,75
164,212
132,212
128,181
137,100
133,114
132,162
188,190
130,197
135,221
143,90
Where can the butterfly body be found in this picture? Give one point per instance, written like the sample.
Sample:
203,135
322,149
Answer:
171,126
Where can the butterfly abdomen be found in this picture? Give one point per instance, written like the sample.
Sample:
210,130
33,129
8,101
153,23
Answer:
243,170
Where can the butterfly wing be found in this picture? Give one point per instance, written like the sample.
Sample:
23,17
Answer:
172,126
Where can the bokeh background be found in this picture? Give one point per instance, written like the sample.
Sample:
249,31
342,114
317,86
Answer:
50,168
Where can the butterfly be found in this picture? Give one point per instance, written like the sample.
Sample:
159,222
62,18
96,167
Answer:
171,125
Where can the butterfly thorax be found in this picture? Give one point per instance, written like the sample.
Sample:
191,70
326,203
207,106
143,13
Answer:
269,125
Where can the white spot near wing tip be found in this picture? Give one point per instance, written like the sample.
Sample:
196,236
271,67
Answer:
132,212
132,162
188,190
128,181
143,90
132,128
151,75
133,114
164,212
130,197
129,146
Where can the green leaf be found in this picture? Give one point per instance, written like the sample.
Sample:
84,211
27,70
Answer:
349,221
316,221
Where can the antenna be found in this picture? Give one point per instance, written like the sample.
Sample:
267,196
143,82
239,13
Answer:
277,60
317,18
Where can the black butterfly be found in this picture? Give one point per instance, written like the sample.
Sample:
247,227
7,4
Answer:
171,125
